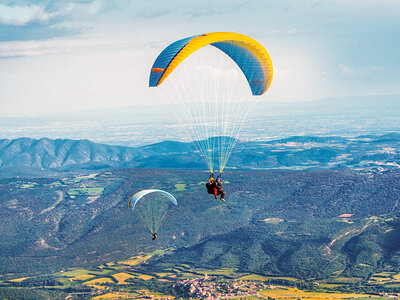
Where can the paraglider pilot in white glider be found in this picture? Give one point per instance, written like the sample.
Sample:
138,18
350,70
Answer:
153,210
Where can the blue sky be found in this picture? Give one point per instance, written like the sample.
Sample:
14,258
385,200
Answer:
73,55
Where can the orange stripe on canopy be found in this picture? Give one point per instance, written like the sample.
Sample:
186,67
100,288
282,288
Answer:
157,70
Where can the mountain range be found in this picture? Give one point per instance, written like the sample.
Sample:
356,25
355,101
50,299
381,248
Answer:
137,126
303,206
46,157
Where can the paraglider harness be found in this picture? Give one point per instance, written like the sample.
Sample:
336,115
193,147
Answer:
154,236
214,186
210,184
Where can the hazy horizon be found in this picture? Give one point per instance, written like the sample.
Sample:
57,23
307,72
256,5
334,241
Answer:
138,126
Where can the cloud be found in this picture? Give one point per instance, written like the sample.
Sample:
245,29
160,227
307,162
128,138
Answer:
201,11
152,13
78,10
21,15
49,20
63,45
287,32
204,12
362,70
346,69
32,48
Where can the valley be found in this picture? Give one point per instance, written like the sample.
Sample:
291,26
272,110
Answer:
319,231
132,279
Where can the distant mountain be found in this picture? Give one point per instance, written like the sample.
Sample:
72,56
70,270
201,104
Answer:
46,157
27,156
138,126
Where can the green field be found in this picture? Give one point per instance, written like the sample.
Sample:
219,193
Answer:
180,187
86,191
114,279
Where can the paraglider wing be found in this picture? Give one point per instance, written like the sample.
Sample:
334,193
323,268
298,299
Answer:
150,208
136,197
248,54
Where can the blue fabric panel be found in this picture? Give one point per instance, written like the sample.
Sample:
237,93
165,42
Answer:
165,57
248,63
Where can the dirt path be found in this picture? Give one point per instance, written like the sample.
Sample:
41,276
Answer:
60,198
347,233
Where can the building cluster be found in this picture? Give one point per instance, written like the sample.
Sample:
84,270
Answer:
210,287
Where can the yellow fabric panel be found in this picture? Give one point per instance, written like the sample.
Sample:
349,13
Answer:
248,43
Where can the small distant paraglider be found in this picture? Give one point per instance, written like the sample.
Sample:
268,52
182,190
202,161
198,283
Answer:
151,206
213,91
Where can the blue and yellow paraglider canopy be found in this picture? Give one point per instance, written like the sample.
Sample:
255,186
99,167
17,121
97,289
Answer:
248,54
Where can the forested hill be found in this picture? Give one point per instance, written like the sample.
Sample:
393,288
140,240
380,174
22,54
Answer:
274,222
305,249
47,157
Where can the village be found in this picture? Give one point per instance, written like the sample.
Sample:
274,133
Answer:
212,287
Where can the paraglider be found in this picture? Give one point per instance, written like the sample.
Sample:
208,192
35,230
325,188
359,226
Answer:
212,81
214,187
152,207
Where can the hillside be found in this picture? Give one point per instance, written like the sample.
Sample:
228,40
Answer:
319,248
272,223
45,157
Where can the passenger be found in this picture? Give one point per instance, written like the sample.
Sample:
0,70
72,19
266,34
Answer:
219,190
214,187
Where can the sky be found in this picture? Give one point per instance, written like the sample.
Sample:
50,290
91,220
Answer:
58,56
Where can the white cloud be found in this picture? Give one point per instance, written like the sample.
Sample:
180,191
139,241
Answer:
62,46
20,15
286,32
347,70
34,48
78,10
